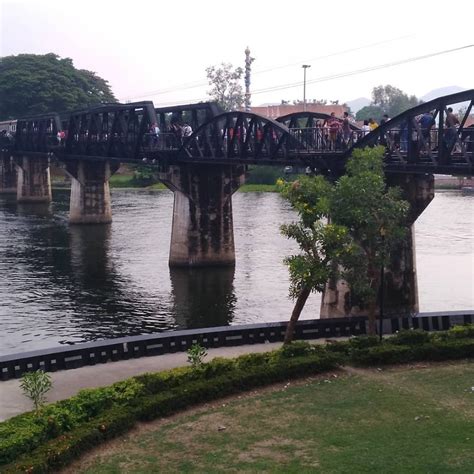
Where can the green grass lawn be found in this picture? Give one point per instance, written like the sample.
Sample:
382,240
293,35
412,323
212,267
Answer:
413,420
126,181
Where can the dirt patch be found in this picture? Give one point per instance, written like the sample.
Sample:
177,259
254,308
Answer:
268,449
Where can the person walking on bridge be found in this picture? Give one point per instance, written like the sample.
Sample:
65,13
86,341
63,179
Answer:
451,132
334,130
346,130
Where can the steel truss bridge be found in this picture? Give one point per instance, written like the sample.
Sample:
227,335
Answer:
121,132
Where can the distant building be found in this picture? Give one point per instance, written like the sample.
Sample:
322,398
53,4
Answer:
274,111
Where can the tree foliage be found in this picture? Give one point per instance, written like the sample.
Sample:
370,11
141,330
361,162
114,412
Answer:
226,87
346,229
387,100
33,84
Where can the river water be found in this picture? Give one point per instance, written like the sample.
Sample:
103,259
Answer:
63,284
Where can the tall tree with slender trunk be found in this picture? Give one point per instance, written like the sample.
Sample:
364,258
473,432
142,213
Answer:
347,229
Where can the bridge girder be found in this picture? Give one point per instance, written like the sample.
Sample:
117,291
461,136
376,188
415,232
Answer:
238,135
308,120
436,154
36,134
122,132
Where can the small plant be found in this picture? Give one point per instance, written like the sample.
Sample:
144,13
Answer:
35,385
196,354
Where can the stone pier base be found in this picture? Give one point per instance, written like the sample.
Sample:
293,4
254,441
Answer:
400,284
202,231
33,179
8,178
90,192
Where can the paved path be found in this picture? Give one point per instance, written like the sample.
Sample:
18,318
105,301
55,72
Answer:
68,382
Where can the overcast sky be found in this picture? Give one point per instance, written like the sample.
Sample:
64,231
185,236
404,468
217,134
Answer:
157,49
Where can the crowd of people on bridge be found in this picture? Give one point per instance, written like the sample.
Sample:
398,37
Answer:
173,137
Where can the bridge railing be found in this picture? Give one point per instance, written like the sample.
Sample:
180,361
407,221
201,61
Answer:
400,143
318,139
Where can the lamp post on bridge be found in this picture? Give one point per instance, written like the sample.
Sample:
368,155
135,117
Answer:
304,66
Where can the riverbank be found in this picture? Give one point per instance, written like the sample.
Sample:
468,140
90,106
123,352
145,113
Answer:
129,181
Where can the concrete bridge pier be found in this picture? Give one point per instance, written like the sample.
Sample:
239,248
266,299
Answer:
401,288
33,179
202,231
8,178
90,191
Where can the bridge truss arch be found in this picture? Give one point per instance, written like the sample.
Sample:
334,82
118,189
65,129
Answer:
409,142
239,135
308,120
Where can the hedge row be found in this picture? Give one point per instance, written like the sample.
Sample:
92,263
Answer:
63,430
155,395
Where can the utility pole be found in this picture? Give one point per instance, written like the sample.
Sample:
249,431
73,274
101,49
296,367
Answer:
248,63
304,66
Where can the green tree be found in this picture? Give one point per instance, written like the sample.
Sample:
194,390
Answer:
375,217
369,111
33,84
387,100
392,100
226,87
322,244
347,229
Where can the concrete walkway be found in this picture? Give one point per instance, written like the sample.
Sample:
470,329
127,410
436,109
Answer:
67,383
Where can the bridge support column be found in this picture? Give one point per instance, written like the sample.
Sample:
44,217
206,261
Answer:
90,192
202,232
8,178
401,288
33,179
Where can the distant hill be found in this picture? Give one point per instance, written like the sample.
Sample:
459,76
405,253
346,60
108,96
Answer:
358,104
434,94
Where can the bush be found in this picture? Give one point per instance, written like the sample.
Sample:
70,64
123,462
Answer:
338,347
295,349
361,342
382,354
461,331
400,354
247,361
410,337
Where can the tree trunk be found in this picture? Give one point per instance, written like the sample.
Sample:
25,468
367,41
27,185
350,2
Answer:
372,304
299,305
372,323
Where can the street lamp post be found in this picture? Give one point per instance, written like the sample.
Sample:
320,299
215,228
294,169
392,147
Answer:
304,66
